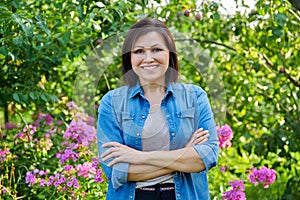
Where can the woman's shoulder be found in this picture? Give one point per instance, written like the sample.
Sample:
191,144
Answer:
117,91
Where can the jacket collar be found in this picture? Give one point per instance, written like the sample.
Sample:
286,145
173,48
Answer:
137,89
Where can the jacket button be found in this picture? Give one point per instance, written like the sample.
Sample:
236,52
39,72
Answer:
173,134
137,134
143,116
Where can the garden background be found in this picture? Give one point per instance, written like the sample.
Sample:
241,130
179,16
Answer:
59,57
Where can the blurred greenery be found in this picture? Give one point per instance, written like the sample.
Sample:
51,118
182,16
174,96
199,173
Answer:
248,62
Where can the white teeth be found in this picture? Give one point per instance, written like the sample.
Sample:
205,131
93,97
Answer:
150,67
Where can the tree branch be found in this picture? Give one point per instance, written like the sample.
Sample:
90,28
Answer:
282,70
295,3
207,41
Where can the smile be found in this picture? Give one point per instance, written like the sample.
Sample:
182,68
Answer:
150,67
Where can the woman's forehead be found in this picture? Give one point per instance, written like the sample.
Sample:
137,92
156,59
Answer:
149,40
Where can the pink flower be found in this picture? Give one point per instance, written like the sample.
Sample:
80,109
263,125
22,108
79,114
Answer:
85,169
225,136
264,175
3,154
72,106
223,168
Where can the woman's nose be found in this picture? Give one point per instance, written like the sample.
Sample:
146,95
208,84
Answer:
148,57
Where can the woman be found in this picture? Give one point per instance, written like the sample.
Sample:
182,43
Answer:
156,137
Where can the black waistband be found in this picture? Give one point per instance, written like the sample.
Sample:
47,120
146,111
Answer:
160,187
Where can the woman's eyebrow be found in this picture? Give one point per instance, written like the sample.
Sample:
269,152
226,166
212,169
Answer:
140,46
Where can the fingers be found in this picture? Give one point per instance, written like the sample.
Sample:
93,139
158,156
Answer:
110,153
111,144
200,136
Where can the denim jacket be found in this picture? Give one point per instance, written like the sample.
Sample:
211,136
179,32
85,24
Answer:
122,114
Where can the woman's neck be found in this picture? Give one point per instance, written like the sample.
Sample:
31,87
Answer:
154,93
154,89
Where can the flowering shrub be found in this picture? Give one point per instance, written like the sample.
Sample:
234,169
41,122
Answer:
264,175
237,191
50,157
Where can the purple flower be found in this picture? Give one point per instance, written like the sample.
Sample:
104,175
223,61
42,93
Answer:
56,183
69,183
68,167
237,192
30,178
9,126
95,162
36,171
264,175
42,183
98,177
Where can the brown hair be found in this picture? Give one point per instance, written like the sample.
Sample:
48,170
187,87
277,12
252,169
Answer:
143,27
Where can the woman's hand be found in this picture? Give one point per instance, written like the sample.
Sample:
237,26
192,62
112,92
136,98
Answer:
121,153
199,137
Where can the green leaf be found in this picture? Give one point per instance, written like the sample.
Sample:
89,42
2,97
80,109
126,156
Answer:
43,26
18,41
33,95
52,97
44,97
24,97
16,97
280,18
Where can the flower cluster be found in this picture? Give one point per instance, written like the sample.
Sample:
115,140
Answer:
3,154
264,175
81,132
225,136
9,126
66,181
237,191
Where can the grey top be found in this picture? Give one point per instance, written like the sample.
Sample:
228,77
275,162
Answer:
155,137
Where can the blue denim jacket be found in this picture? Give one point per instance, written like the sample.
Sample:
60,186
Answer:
122,114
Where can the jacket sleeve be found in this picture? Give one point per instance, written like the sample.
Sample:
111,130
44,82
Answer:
207,151
108,130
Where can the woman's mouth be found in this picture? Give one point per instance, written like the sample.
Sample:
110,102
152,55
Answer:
150,67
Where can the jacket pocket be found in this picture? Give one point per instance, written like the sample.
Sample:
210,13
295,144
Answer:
129,127
186,123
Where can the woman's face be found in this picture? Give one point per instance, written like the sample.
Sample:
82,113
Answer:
150,58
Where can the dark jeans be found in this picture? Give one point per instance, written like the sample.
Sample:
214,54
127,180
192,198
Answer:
156,192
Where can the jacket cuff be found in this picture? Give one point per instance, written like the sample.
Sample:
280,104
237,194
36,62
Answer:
208,154
119,174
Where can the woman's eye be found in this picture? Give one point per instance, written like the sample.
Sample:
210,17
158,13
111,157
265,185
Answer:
157,50
138,51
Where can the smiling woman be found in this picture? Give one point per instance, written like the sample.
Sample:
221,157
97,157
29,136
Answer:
150,58
156,137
